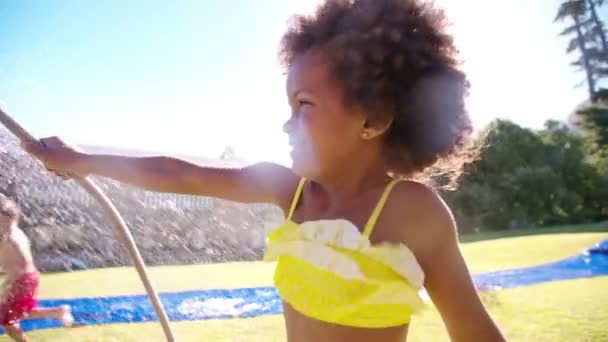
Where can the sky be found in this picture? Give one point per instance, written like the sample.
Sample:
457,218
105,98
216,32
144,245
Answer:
193,77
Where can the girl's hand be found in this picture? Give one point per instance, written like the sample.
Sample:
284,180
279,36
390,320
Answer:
57,156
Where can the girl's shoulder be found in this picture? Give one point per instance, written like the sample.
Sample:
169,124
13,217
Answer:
417,216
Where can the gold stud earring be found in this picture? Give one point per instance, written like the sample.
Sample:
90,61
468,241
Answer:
365,135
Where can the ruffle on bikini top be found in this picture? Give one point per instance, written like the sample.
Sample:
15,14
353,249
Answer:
323,243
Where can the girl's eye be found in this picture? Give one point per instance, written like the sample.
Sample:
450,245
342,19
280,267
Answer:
303,103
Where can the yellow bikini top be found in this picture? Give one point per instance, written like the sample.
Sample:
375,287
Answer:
329,271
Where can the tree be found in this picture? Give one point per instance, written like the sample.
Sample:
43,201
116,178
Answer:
592,119
589,39
526,178
599,26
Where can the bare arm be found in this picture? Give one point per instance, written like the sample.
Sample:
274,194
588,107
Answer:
255,183
431,231
450,287
262,182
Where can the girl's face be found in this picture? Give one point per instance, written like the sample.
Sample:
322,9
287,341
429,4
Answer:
322,131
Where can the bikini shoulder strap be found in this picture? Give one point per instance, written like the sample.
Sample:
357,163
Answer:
371,222
296,197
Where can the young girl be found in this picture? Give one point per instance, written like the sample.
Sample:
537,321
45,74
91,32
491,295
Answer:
21,277
376,100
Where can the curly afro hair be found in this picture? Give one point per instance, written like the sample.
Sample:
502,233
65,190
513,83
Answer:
394,59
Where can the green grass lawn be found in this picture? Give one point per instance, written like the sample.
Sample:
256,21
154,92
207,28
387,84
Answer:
574,310
496,251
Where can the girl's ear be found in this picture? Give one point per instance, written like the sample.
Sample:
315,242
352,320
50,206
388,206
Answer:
372,129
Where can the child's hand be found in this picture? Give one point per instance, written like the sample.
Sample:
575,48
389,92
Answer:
56,155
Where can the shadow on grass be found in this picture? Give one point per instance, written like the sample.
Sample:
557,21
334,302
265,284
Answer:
583,228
